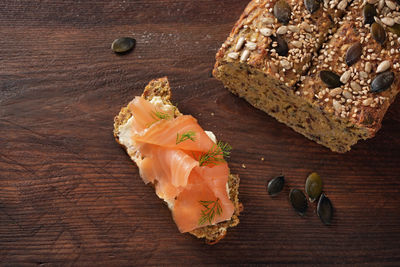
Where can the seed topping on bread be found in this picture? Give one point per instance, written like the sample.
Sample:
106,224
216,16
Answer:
368,68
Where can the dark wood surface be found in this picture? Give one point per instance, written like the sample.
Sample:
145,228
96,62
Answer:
70,195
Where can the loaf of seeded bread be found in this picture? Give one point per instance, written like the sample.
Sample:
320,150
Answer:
212,233
369,80
253,64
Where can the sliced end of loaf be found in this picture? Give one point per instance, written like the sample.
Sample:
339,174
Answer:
213,233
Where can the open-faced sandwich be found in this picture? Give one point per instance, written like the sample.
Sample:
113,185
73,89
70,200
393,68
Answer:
185,164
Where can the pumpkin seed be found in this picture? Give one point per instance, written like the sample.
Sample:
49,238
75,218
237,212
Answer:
311,5
353,54
382,82
395,29
369,12
282,11
298,201
331,79
276,185
325,210
123,45
313,186
282,49
378,33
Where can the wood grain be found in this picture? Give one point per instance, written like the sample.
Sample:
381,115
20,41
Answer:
69,195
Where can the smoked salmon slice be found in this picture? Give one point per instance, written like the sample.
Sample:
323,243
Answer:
170,133
205,196
170,168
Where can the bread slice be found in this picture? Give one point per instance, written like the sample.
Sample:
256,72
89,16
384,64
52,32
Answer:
212,233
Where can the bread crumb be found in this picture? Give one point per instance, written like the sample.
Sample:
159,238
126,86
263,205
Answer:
212,114
243,166
262,159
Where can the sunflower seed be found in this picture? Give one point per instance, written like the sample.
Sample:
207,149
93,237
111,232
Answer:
391,5
251,45
286,64
276,185
378,33
342,5
123,45
268,20
353,54
355,86
369,12
384,66
266,32
331,79
314,185
325,210
335,92
233,55
305,26
382,82
298,201
282,11
381,4
297,44
337,106
388,21
240,44
293,28
367,101
311,5
345,76
281,30
347,95
363,75
245,55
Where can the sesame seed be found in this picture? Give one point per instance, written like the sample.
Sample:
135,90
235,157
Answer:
368,67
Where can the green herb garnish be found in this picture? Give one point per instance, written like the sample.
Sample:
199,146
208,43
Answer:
190,135
210,209
216,154
159,115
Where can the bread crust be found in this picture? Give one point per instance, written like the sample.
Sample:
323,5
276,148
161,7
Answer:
212,233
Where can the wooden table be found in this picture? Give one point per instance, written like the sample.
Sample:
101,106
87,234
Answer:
70,195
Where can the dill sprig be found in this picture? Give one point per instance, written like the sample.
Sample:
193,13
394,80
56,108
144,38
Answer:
210,209
159,115
190,135
216,154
